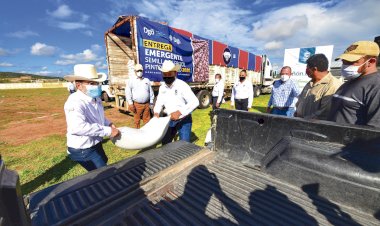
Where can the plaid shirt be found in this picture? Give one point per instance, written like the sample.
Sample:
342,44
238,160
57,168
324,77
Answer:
284,94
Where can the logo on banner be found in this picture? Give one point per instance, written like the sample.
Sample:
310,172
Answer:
227,55
175,40
305,54
149,32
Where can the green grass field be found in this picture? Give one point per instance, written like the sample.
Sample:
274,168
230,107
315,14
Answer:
43,162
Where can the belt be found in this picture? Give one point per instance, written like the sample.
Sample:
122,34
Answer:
281,108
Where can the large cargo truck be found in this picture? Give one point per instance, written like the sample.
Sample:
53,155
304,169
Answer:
262,169
134,39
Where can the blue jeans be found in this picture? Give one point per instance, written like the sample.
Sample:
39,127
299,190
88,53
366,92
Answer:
90,158
183,127
287,112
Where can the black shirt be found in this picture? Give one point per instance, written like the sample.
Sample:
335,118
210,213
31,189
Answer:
357,101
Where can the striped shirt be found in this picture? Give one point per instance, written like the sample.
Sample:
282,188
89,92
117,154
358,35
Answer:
284,94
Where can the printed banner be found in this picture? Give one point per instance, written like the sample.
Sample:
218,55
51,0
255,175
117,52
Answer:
156,43
296,58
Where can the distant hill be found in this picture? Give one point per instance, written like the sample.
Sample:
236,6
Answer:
6,77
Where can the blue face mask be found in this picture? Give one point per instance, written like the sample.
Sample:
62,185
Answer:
93,90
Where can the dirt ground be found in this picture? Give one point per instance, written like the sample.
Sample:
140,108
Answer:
30,115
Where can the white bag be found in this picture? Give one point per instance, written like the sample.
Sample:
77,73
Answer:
149,135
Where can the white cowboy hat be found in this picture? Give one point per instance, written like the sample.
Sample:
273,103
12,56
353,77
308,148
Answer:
168,65
139,67
86,72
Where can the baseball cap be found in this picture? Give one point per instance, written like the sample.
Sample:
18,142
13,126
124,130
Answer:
360,49
138,67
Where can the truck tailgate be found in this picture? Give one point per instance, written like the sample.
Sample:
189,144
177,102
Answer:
183,184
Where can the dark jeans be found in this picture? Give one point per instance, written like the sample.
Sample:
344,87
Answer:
284,111
90,158
214,100
241,104
183,127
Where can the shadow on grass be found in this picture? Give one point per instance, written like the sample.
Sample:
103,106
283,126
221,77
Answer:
53,173
260,109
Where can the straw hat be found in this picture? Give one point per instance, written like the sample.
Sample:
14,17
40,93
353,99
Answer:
86,72
168,65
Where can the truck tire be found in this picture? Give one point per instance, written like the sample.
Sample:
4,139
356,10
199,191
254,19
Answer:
256,91
105,97
204,98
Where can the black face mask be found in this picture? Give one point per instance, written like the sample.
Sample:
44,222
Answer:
242,78
168,80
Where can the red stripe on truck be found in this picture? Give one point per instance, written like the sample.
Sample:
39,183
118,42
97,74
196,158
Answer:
217,53
243,59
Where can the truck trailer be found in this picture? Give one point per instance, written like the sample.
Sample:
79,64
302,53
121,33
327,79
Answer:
261,169
135,39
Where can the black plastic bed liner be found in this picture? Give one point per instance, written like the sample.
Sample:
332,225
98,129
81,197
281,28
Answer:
183,184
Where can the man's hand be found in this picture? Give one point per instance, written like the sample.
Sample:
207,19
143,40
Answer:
268,110
112,125
217,105
115,132
132,108
156,115
175,115
232,104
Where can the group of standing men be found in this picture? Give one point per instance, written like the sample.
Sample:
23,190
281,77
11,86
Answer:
324,97
355,102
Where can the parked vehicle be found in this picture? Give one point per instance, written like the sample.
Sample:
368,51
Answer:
262,169
107,93
135,39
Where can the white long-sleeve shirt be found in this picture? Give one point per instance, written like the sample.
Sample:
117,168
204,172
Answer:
139,90
242,90
177,97
86,123
218,91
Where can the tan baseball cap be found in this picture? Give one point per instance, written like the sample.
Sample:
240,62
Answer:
360,49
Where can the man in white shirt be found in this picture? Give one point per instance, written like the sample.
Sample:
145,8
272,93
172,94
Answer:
242,93
140,96
217,92
179,101
86,123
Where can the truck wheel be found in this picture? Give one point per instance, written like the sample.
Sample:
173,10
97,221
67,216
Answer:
105,97
256,91
204,98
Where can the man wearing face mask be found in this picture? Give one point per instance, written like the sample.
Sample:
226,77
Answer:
217,92
140,96
314,102
86,123
242,93
357,101
179,101
284,95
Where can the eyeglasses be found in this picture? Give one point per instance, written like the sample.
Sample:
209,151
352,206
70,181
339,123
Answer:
139,71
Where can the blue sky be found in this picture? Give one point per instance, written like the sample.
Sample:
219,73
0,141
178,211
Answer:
49,37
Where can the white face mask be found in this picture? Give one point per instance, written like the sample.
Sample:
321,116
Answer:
217,80
285,78
139,74
350,71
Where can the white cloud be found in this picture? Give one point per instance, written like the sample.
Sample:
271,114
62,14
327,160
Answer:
5,64
88,33
71,25
3,52
96,47
273,45
86,56
101,66
41,49
63,11
23,34
44,68
45,73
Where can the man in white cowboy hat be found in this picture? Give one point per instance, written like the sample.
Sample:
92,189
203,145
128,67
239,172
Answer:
179,101
140,96
357,101
86,123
